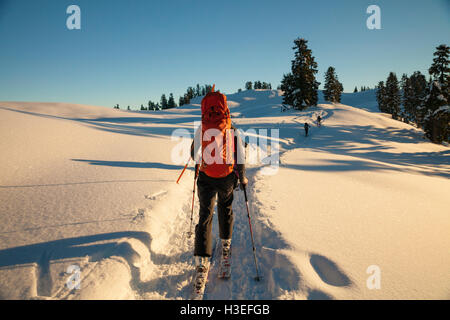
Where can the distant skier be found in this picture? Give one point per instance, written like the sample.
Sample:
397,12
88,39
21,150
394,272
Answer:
319,121
306,129
219,174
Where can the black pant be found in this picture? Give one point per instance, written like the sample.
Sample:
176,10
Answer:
208,188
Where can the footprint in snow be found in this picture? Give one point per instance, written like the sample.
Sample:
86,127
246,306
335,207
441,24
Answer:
329,272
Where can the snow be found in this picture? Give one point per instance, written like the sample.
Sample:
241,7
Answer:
94,188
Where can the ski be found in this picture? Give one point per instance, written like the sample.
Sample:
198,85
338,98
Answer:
199,283
200,277
225,264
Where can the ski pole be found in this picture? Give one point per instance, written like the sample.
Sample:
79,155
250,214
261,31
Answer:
251,234
184,169
189,234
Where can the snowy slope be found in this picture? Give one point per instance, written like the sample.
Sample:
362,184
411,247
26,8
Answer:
95,188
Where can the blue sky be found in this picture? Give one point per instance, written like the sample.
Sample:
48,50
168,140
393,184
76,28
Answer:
130,51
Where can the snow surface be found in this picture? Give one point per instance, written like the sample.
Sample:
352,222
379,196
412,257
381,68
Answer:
95,188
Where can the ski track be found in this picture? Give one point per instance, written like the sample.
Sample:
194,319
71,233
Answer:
280,278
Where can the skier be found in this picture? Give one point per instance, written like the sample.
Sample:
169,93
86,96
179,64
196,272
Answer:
218,174
306,128
319,121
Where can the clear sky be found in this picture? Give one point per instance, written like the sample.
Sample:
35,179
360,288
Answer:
130,51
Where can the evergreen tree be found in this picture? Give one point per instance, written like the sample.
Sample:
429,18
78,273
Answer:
338,91
287,85
419,89
164,102
248,85
181,101
190,93
393,96
356,90
333,88
407,98
437,119
440,70
208,88
381,97
171,103
300,86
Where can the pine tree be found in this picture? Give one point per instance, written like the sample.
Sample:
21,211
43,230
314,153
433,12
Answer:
300,86
356,90
164,102
338,91
407,97
381,97
437,119
248,85
287,85
171,103
333,88
440,70
419,89
208,88
393,96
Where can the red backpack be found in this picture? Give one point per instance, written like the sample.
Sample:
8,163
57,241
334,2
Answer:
217,136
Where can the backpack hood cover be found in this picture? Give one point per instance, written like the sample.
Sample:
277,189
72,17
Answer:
215,112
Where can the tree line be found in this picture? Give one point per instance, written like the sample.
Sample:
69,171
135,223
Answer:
414,99
257,85
362,88
169,102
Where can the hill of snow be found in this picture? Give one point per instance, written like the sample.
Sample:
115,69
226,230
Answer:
94,188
